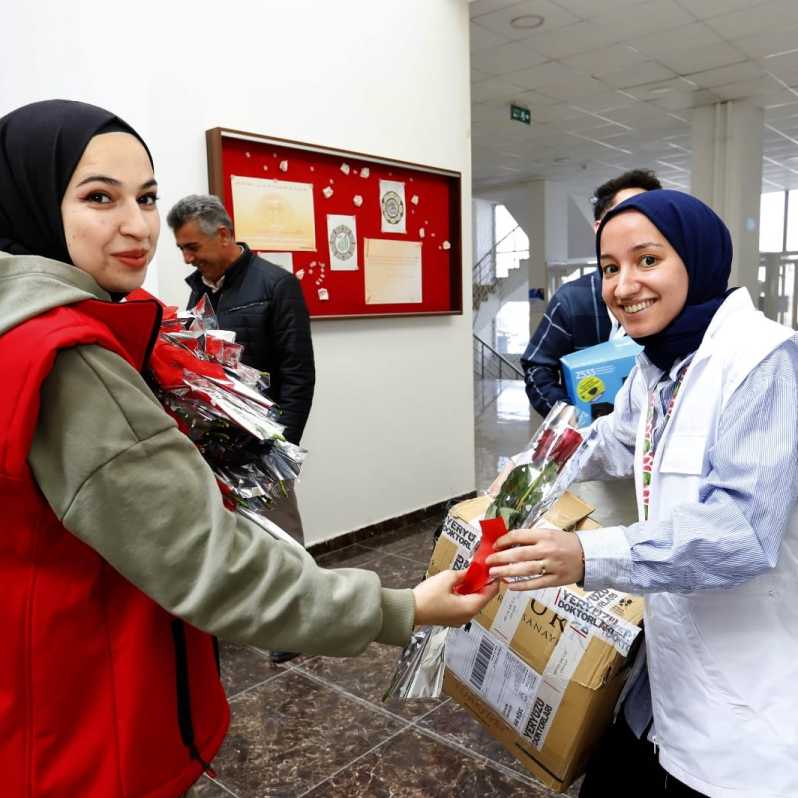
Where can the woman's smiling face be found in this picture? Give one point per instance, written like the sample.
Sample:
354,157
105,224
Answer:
109,212
644,281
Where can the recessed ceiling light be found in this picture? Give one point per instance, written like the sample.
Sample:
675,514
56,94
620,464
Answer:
527,22
660,90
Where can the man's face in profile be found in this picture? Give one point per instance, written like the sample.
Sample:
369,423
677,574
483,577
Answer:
209,254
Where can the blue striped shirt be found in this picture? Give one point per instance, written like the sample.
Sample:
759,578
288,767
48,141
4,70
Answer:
735,529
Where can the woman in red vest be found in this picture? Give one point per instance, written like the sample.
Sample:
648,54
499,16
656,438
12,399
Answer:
118,559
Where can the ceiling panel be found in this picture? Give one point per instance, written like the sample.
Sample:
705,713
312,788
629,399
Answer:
769,16
573,89
696,34
612,84
585,122
506,58
750,89
605,101
703,9
479,7
500,21
641,74
722,76
685,60
784,66
544,75
494,89
762,45
481,38
605,60
677,100
561,112
592,8
651,17
573,39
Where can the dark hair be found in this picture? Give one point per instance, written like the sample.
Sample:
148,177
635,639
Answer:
634,178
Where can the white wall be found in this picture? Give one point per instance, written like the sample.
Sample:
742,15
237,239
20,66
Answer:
392,423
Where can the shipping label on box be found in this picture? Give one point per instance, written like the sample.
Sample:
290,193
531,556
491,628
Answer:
540,669
593,376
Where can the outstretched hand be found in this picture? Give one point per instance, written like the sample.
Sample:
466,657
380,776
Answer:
545,557
437,604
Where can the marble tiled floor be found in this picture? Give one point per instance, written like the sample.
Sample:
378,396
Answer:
317,725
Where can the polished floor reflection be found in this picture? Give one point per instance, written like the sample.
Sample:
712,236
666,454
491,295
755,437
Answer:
317,725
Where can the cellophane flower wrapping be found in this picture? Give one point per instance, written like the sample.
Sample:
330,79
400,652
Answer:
523,493
223,406
533,484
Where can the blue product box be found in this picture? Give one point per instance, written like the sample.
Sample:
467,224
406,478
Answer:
594,375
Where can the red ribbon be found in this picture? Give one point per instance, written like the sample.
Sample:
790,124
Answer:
476,576
168,363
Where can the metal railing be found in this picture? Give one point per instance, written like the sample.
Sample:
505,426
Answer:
490,368
778,287
492,365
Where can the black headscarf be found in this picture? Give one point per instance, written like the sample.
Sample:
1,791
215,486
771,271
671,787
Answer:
703,243
40,146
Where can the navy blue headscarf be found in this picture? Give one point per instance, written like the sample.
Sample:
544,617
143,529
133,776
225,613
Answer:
703,243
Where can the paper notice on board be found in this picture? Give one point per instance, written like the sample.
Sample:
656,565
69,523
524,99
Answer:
284,259
274,214
392,206
342,238
392,271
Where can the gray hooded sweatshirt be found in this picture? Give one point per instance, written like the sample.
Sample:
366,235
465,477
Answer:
120,476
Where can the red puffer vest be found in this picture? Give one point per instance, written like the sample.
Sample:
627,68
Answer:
103,694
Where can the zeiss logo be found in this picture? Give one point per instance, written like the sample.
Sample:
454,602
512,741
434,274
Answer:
585,373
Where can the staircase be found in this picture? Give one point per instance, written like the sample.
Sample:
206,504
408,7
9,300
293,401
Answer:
490,369
485,282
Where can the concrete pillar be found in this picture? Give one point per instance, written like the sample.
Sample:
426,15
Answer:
548,235
726,173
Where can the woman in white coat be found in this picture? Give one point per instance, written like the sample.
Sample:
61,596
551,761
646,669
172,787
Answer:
708,424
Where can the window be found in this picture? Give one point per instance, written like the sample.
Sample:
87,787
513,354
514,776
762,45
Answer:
512,243
512,328
771,222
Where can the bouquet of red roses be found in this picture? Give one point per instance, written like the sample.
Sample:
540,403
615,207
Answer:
524,492
222,405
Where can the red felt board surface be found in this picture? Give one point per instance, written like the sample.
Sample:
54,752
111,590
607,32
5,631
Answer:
438,212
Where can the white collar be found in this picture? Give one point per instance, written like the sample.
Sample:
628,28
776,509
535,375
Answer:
213,286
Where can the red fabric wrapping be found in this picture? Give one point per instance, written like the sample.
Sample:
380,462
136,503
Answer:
168,363
477,574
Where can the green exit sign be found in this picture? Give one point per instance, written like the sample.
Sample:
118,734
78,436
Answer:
520,114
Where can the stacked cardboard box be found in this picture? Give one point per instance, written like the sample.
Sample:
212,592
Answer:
541,670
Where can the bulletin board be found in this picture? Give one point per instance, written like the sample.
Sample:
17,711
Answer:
365,236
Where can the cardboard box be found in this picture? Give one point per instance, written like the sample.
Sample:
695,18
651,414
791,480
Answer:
541,670
593,376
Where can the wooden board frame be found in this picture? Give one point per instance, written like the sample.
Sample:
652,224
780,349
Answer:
215,141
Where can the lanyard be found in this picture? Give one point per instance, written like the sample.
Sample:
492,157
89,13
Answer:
648,445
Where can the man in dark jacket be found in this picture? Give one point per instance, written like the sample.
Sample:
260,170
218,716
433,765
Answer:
263,304
260,301
576,317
